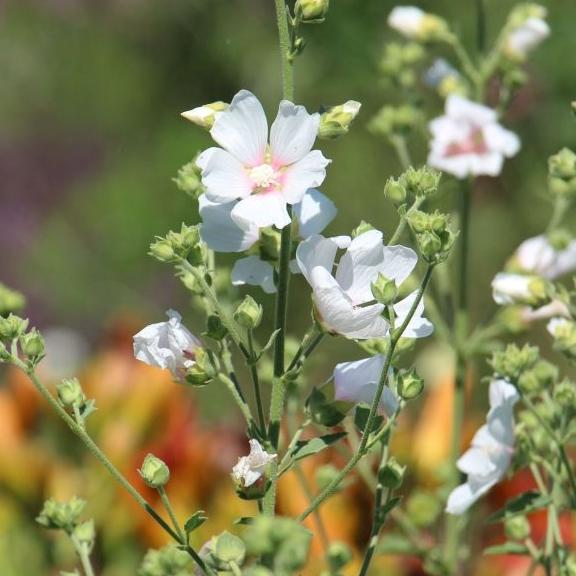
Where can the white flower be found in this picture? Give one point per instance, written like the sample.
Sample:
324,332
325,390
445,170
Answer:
255,272
537,256
558,325
167,345
489,457
407,20
205,116
357,382
525,37
468,140
509,288
264,178
344,300
251,468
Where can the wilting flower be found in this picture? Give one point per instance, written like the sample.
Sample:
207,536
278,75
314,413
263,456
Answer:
357,382
251,468
491,452
167,345
524,38
468,140
538,256
343,300
509,289
263,177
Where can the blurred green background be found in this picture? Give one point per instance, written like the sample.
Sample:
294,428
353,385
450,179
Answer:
90,97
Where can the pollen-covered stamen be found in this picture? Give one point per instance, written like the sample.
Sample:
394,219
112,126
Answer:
264,177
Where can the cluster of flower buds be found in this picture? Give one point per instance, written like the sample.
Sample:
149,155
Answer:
11,302
14,331
513,361
224,554
562,174
396,120
168,560
433,233
399,63
415,24
336,121
422,182
185,244
189,180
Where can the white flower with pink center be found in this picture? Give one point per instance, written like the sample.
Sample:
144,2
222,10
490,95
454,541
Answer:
469,141
263,176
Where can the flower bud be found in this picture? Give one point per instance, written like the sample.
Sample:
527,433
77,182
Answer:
410,385
392,475
167,560
394,191
85,534
154,472
10,301
384,290
565,394
512,362
32,344
61,515
189,180
422,182
517,528
562,165
339,555
564,333
540,377
12,327
201,372
270,240
361,228
249,313
529,290
423,509
162,250
214,328
336,121
205,116
309,11
228,549
70,393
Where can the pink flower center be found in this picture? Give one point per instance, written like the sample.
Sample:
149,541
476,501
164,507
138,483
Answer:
473,144
264,177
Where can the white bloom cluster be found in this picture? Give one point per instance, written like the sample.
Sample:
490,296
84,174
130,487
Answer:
489,457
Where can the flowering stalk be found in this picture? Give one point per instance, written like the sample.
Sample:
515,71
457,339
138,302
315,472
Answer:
278,386
83,555
365,445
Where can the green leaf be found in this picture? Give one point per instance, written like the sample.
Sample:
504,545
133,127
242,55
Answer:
523,504
361,418
269,344
507,548
306,448
195,521
244,520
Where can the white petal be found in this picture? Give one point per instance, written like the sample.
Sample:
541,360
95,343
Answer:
407,20
242,129
317,251
218,229
293,133
314,213
338,313
501,140
261,210
461,108
475,461
502,392
223,176
463,496
253,271
418,327
308,172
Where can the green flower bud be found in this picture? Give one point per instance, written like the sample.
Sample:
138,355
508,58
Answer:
205,116
539,378
384,290
564,333
70,393
61,515
167,561
565,394
12,327
249,313
423,509
336,121
154,472
214,328
512,362
270,240
85,534
517,528
202,371
162,250
410,385
563,164
189,180
395,191
309,11
32,344
418,221
422,181
361,228
228,549
5,356
10,301
339,555
392,120
392,475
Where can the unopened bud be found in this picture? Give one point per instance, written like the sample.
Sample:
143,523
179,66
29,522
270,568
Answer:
214,327
189,180
410,385
162,250
205,116
361,228
514,361
325,475
228,548
384,290
12,327
10,301
201,372
32,344
270,240
422,181
565,394
517,528
70,393
154,472
339,555
392,475
249,313
85,534
423,509
563,165
395,191
336,121
61,515
309,11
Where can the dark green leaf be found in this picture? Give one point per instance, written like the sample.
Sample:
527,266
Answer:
306,448
523,504
507,548
195,521
244,520
361,418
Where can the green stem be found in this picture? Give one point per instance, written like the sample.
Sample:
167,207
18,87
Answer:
83,555
93,448
311,339
401,148
278,385
364,446
404,220
168,507
256,382
461,328
241,403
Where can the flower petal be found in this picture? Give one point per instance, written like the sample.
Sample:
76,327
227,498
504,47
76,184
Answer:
242,129
314,213
261,210
253,271
463,496
223,176
308,172
318,251
418,327
218,229
292,134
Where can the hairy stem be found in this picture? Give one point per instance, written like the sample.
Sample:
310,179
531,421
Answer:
168,507
256,383
83,555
